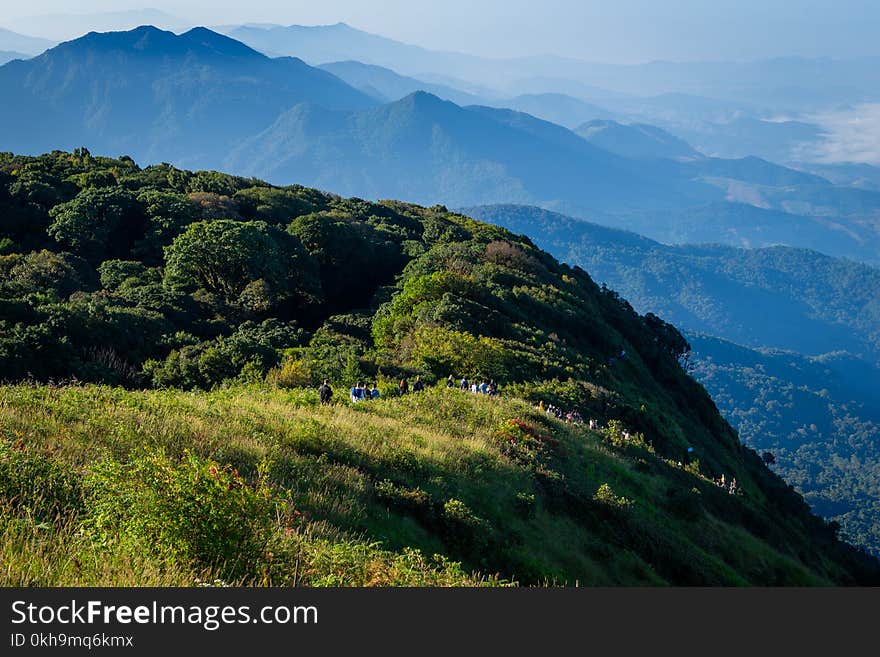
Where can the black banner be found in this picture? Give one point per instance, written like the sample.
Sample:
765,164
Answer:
456,621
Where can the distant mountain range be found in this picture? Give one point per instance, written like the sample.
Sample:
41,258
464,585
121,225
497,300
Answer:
157,96
784,83
385,85
637,140
205,100
730,110
13,42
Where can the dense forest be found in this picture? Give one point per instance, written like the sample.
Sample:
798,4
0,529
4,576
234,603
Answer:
162,333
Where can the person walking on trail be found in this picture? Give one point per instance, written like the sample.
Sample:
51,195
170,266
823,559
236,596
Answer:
484,387
357,393
325,392
373,392
418,386
450,382
464,385
402,387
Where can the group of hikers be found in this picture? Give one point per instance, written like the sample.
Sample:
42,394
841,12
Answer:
729,486
363,392
571,417
360,392
481,387
403,387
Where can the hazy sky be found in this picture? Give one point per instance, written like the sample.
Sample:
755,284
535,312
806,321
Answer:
602,30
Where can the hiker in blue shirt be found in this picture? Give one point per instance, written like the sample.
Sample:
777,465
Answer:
373,392
357,393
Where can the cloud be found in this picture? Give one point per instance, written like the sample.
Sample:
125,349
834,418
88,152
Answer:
850,135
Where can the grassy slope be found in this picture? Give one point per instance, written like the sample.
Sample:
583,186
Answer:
674,525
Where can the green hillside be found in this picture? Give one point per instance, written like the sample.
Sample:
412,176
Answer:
162,333
817,413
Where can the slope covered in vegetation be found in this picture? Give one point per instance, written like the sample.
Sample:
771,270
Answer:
117,279
806,386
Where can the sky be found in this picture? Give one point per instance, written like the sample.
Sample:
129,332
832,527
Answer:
619,31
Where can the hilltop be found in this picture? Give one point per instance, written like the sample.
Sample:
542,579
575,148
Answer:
163,331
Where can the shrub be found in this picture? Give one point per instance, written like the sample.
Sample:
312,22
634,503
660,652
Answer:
35,484
465,531
195,511
686,504
521,443
407,499
605,495
524,503
292,373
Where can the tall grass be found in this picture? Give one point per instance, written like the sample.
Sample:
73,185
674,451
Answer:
261,486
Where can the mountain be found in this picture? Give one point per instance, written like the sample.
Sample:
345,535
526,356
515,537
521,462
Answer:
19,43
852,174
385,85
780,297
433,151
162,335
323,44
636,140
793,84
819,417
737,222
158,96
556,108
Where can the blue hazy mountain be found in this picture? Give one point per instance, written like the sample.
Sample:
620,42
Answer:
723,109
322,44
433,151
385,85
849,174
742,224
783,83
20,43
157,96
637,140
557,108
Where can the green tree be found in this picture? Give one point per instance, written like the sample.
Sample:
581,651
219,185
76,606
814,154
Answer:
98,223
226,258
